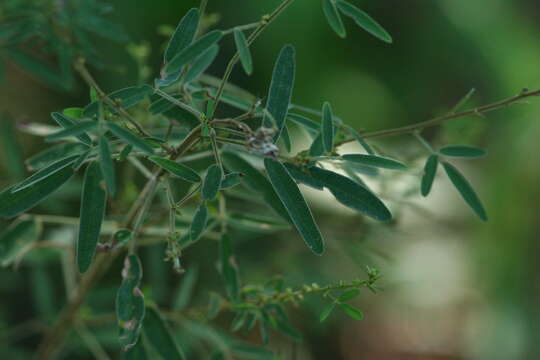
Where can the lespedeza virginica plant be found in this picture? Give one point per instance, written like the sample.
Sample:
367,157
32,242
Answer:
159,129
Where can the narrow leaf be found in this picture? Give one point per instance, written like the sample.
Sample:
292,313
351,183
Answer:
375,161
334,18
15,239
327,128
359,139
54,154
75,130
352,195
327,311
183,35
201,64
200,220
466,190
430,170
462,151
129,138
231,180
159,336
243,50
229,270
348,295
127,98
191,52
182,171
317,148
311,126
281,88
93,203
363,20
303,177
45,173
107,165
212,182
296,205
67,122
352,311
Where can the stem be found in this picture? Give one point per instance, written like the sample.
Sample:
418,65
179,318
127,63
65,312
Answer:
241,28
423,141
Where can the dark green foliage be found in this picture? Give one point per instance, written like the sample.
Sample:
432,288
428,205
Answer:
430,170
212,182
159,336
466,190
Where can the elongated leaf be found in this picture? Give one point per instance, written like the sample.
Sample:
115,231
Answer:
130,309
183,35
129,138
296,205
311,126
201,64
256,181
212,182
231,180
74,112
334,18
327,128
74,130
363,20
15,203
67,122
200,220
352,195
375,161
281,88
159,336
430,170
229,270
136,352
352,311
303,177
10,148
107,165
45,173
256,224
243,50
93,203
317,148
191,52
54,154
466,190
327,311
182,171
127,97
348,295
16,238
462,151
186,289
360,139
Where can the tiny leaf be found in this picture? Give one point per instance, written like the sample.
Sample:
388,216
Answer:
466,190
430,170
243,51
212,182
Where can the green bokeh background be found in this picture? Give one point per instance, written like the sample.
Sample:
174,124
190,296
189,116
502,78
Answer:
455,288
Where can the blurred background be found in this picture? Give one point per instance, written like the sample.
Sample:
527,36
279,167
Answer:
454,288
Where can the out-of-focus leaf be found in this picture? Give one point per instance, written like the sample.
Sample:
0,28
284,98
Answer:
243,51
363,20
182,171
334,18
462,151
67,122
186,288
11,150
375,161
93,202
159,336
352,311
130,309
201,64
136,352
231,180
296,205
352,195
16,238
229,270
212,182
127,97
317,149
303,177
129,138
45,173
183,35
107,165
359,139
430,170
256,223
74,112
348,295
192,51
466,190
54,154
200,220
311,126
327,311
281,88
75,130
327,128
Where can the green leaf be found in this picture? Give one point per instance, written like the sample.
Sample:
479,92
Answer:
186,289
159,336
363,20
74,112
254,223
107,165
229,270
129,138
67,122
303,177
327,311
16,238
296,205
348,295
311,126
45,173
75,130
333,18
243,51
327,128
54,154
375,161
256,181
136,352
317,149
15,203
130,309
352,311
193,51
466,190
93,202
463,100
183,35
201,64
352,195
359,139
11,148
212,182
182,171
127,98
231,180
462,151
430,170
281,88
199,223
